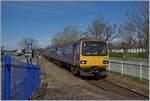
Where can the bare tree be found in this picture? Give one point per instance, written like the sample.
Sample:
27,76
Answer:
25,41
56,39
128,35
138,21
101,30
2,47
69,33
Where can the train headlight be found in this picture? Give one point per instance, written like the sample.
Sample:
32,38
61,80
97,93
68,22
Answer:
105,62
83,61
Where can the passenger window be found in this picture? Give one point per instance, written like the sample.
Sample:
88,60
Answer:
78,49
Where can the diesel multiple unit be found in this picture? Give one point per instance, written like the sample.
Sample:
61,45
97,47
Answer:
82,56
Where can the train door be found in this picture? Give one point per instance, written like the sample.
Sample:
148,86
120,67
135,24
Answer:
74,53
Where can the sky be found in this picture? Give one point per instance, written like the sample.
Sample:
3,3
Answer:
41,20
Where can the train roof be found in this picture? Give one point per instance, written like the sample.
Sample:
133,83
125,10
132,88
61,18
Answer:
75,42
64,44
89,39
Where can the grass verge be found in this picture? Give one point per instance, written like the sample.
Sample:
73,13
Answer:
132,79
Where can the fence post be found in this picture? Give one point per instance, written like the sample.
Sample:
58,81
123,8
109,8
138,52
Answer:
109,67
39,76
122,69
140,71
6,78
28,81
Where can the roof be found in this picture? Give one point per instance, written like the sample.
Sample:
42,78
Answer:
74,42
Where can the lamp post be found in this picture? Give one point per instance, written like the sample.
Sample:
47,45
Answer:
108,55
107,47
80,25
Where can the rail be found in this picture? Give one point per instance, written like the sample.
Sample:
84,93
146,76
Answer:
19,79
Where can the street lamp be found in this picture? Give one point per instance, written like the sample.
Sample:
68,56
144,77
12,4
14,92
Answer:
107,47
80,28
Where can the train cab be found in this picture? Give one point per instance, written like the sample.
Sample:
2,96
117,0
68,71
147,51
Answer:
93,56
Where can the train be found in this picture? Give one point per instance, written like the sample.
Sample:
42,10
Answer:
84,56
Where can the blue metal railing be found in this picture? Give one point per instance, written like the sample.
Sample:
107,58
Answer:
19,79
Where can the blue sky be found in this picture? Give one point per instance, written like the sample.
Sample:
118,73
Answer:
41,20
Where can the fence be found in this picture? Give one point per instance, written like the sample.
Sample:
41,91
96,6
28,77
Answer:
19,80
136,70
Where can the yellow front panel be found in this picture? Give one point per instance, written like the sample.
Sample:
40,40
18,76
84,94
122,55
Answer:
93,61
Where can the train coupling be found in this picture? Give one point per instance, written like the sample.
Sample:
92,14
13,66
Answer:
95,71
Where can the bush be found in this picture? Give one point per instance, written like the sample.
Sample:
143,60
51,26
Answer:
112,54
129,55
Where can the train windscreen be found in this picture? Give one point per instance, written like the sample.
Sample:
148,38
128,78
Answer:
94,48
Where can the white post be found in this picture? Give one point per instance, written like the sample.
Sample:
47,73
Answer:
108,55
109,67
140,71
122,69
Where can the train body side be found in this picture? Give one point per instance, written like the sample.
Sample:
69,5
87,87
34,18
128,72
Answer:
68,53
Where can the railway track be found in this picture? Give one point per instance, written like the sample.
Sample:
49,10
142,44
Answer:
111,87
118,89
